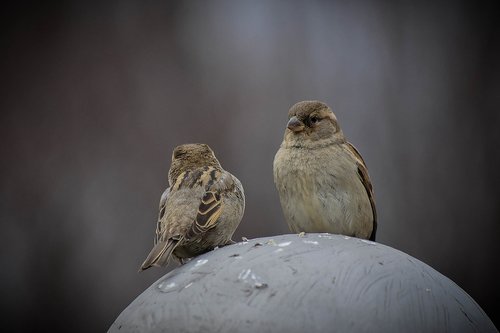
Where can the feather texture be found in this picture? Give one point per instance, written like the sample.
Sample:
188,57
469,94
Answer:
199,211
322,180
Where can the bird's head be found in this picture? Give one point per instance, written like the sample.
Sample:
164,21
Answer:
191,156
312,123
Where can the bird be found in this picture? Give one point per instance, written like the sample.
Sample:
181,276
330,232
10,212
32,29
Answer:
199,211
321,178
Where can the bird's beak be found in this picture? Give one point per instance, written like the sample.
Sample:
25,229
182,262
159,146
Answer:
295,125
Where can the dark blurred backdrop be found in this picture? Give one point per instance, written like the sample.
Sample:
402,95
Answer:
96,96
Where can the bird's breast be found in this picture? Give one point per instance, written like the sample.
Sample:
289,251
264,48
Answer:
318,189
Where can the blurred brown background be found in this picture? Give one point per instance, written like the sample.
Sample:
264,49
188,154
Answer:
96,96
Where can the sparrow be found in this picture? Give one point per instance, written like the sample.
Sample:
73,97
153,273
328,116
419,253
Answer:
199,211
322,180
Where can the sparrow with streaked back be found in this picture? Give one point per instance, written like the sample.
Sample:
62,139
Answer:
322,180
199,211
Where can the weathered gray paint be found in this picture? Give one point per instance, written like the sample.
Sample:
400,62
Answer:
313,283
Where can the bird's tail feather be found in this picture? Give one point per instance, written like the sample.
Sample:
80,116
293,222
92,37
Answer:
160,254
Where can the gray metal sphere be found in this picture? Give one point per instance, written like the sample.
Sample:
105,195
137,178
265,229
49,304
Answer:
309,283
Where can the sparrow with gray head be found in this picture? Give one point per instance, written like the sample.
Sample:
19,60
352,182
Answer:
199,211
322,180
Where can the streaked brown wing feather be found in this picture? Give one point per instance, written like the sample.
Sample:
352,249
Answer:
209,211
365,180
216,182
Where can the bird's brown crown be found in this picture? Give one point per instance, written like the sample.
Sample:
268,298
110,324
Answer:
304,108
190,157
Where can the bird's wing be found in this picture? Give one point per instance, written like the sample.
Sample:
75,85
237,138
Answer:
365,180
216,183
163,248
162,207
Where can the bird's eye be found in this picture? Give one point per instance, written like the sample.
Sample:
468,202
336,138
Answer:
179,153
315,119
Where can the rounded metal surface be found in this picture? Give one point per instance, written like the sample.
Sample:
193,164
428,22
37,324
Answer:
304,283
